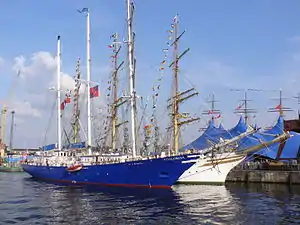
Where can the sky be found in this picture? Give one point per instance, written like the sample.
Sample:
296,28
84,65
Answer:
234,45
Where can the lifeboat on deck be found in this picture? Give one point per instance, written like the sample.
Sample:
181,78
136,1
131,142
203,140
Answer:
74,168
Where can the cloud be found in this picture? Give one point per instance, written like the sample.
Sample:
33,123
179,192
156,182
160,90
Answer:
31,99
34,104
294,38
1,61
24,108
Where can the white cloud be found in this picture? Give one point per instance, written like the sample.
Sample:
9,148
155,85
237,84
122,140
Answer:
1,61
24,108
31,100
294,38
34,103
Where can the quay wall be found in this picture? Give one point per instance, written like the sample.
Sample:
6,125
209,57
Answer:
264,176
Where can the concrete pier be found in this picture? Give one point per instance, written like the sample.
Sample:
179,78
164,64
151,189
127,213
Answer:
264,176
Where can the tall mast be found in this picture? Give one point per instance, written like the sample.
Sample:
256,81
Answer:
243,108
88,80
280,108
298,101
12,129
76,111
130,8
175,103
178,97
116,101
58,95
212,111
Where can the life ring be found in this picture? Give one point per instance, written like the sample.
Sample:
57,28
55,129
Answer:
74,168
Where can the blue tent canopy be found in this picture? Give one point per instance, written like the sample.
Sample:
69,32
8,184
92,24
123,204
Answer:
240,128
213,134
221,127
291,148
269,135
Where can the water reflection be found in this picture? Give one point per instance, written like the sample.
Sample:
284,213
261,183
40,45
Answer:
267,203
25,201
208,203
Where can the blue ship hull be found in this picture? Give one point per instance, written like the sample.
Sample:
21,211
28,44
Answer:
150,173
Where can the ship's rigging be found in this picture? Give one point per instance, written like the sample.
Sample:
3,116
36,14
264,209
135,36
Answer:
280,108
212,112
178,97
116,101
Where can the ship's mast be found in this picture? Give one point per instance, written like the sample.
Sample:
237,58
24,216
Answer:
130,9
12,129
88,80
58,95
280,108
212,111
76,111
178,97
116,102
243,108
298,101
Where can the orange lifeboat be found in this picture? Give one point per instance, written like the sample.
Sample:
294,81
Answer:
74,168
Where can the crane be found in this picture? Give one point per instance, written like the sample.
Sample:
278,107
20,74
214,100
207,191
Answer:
5,108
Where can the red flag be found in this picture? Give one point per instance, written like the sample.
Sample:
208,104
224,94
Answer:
218,116
278,107
68,100
94,92
62,105
110,46
240,106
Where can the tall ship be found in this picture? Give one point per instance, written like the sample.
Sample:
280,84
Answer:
159,171
231,149
9,159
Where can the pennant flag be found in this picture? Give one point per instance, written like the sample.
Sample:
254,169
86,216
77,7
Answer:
175,19
68,100
84,10
94,92
240,106
110,46
62,105
147,126
218,116
278,107
113,35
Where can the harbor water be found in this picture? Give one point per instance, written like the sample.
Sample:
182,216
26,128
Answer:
26,201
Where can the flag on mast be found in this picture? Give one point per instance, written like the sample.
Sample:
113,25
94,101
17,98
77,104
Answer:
94,91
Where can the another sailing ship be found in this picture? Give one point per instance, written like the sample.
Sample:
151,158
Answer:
155,172
217,161
9,161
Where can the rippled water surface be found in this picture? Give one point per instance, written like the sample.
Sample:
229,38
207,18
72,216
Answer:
26,201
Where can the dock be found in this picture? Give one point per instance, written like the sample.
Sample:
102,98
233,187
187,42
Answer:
265,173
264,176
